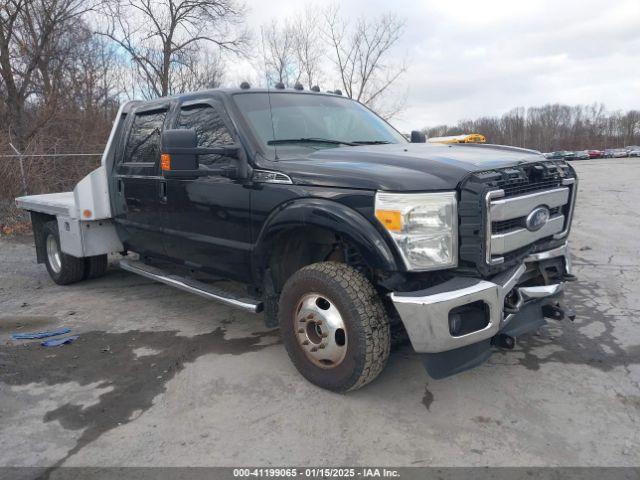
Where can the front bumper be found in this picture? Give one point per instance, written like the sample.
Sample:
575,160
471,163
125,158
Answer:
425,313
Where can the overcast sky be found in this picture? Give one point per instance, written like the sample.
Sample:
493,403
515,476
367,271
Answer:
469,58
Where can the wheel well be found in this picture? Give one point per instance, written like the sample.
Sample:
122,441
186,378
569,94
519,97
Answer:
298,247
38,221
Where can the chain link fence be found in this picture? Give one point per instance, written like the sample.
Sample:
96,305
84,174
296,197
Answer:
32,174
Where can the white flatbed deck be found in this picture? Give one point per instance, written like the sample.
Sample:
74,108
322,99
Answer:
59,204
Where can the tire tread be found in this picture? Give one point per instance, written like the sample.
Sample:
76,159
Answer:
369,311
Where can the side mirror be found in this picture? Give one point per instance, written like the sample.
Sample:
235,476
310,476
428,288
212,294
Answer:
418,137
179,150
180,153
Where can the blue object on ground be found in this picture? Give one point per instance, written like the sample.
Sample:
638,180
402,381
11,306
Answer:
34,335
56,342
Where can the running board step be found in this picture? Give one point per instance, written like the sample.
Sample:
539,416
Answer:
192,286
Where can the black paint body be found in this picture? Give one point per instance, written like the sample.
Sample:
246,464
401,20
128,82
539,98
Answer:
227,225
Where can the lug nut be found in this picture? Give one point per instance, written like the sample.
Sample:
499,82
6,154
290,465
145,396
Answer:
314,349
322,345
306,342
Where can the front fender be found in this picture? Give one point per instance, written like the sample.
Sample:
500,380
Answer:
332,216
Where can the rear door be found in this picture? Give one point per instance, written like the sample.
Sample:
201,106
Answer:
208,218
139,207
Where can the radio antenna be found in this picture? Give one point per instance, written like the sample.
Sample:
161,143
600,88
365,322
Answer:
266,78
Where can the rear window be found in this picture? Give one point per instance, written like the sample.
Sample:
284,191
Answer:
143,144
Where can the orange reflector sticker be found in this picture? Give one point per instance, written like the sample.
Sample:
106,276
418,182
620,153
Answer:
86,213
165,161
391,219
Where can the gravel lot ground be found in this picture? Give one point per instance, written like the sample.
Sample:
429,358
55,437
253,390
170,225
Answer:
163,378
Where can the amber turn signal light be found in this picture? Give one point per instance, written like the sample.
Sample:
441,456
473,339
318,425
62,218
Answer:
165,161
391,219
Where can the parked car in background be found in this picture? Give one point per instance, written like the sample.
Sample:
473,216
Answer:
631,148
608,153
595,153
620,153
582,155
635,153
567,155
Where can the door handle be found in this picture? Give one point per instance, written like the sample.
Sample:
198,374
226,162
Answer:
163,191
120,185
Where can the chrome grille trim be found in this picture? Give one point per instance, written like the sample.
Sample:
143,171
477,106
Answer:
499,208
572,204
521,206
515,239
487,226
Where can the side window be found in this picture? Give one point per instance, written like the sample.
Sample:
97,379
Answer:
210,129
143,144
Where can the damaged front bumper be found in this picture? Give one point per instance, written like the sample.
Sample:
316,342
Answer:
453,323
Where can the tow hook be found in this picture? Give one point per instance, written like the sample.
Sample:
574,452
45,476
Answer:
504,341
557,312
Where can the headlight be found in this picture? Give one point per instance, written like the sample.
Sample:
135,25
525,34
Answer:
424,226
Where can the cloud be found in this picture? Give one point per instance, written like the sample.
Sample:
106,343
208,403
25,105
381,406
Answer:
468,58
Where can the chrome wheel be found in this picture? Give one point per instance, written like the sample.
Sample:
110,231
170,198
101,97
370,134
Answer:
54,256
321,331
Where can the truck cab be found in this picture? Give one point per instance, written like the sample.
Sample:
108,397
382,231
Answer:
345,234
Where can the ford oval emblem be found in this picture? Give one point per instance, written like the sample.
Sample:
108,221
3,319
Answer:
537,219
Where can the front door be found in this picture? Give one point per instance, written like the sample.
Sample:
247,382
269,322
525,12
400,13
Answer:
138,209
207,224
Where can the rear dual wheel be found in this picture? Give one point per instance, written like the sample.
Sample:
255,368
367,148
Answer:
65,269
334,326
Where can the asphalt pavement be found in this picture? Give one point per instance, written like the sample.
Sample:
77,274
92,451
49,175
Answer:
159,377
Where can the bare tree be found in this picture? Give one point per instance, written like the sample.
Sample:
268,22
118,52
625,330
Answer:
308,46
32,36
553,127
202,71
361,54
279,53
163,37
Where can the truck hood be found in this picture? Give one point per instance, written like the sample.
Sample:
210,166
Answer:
401,167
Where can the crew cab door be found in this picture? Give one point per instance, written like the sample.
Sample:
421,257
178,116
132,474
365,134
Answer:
138,197
207,224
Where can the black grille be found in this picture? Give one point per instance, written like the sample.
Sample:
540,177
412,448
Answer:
512,224
532,177
526,187
514,181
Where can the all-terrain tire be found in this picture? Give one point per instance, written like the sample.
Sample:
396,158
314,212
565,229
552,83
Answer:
95,266
70,269
364,317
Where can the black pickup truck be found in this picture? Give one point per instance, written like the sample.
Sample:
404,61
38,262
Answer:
347,235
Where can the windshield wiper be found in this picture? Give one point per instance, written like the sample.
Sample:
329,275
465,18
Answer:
308,140
371,142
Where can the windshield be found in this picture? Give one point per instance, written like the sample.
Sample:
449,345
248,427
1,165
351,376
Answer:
312,121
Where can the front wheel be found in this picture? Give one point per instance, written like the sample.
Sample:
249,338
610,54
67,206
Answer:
63,269
334,326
